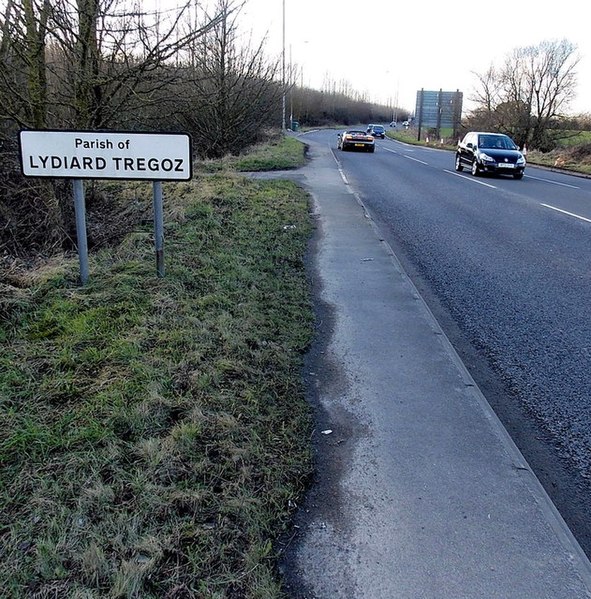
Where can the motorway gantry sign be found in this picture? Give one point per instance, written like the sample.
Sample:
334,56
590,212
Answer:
106,155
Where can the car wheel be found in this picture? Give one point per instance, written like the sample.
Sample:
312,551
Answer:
475,169
459,166
518,175
372,150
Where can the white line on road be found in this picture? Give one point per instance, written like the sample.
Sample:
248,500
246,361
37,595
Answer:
416,159
553,182
339,166
587,220
469,179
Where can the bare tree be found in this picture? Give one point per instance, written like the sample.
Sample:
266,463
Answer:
99,56
530,92
84,64
23,77
233,91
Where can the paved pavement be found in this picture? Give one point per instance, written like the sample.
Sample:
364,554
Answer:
420,492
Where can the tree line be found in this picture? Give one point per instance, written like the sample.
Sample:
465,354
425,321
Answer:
113,64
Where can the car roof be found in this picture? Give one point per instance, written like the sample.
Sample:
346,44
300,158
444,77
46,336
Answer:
489,133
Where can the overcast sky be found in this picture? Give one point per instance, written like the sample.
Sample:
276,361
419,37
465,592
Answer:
391,49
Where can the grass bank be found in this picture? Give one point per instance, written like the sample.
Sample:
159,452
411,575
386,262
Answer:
154,433
278,154
573,155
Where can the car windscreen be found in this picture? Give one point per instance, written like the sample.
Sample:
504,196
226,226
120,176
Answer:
501,142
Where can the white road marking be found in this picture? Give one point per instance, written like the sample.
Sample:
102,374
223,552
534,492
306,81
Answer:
469,179
416,160
553,182
341,171
587,220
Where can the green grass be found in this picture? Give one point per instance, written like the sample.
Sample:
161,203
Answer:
155,434
409,136
284,154
281,153
569,139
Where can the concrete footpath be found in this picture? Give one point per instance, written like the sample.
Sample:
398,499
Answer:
420,492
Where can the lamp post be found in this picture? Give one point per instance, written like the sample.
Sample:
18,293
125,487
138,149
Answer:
283,74
395,116
291,86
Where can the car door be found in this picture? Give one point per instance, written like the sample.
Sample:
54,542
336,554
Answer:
462,149
469,149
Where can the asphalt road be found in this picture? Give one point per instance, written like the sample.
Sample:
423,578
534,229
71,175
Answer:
505,265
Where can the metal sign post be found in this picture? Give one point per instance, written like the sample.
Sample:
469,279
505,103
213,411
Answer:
80,210
79,155
158,227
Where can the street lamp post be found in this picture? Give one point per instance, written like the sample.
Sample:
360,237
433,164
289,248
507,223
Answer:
291,86
283,74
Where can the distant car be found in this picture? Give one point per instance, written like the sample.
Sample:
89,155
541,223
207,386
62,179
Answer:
496,153
376,131
355,139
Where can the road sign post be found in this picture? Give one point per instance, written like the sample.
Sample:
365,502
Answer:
80,210
79,155
159,227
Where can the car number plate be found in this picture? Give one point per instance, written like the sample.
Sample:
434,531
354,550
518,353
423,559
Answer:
359,145
506,165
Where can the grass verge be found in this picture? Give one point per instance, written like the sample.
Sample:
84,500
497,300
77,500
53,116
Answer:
281,153
569,157
154,432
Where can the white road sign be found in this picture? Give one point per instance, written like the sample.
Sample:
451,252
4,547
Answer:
106,155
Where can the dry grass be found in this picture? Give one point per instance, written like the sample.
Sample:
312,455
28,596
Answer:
154,431
576,159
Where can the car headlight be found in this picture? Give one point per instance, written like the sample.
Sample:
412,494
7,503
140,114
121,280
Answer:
521,161
486,158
